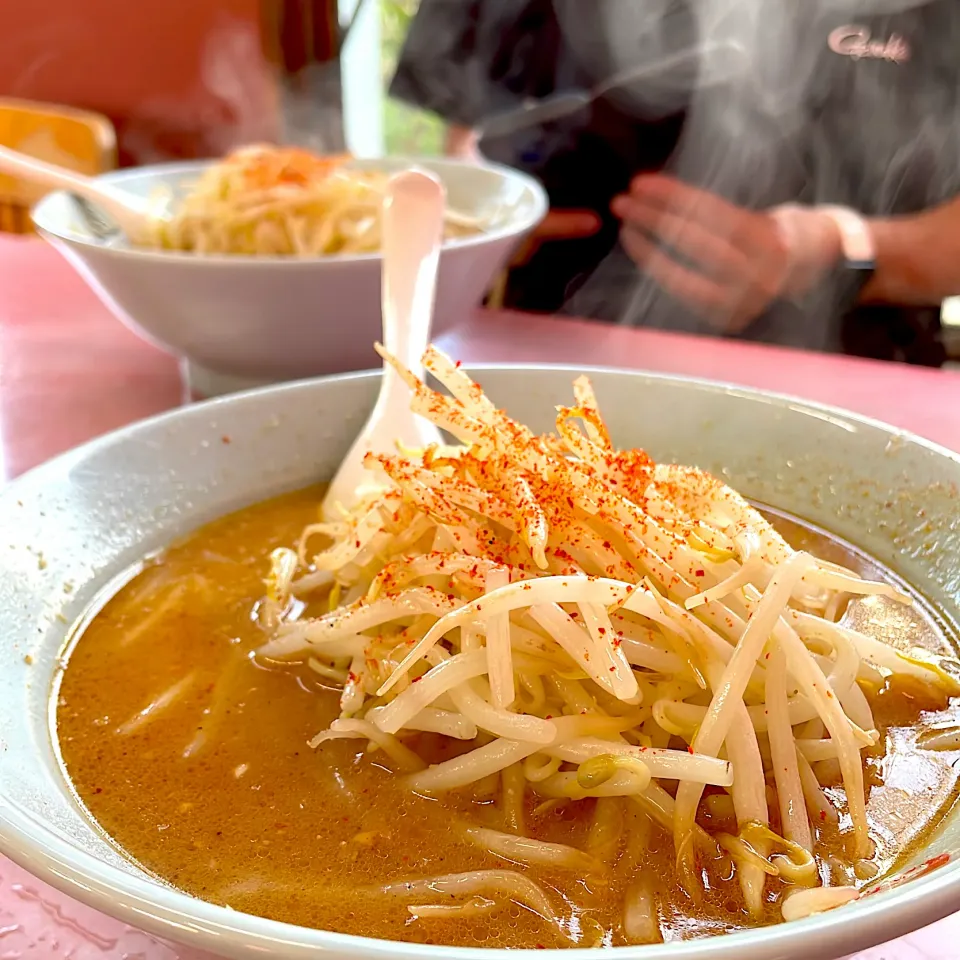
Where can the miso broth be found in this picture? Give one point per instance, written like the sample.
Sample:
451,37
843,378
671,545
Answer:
192,756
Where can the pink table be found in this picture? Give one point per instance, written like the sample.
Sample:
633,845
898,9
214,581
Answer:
69,371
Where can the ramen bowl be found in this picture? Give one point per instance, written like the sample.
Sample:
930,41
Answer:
242,321
73,526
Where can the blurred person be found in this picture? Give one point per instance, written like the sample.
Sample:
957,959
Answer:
469,60
809,200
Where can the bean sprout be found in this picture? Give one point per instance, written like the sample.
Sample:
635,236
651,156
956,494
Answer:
591,625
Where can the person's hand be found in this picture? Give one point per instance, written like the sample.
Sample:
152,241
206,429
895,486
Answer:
735,262
463,144
558,225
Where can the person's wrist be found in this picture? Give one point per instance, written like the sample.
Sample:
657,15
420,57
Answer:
827,249
813,244
462,143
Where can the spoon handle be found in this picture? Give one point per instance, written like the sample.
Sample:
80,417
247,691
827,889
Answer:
412,231
40,172
412,226
127,210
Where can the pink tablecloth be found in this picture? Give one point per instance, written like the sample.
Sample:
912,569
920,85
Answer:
69,372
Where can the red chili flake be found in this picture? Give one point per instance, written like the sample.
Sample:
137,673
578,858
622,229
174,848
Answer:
689,749
823,814
416,679
766,656
224,439
549,716
457,364
613,669
601,630
700,573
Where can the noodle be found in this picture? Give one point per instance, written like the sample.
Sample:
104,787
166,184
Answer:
606,831
529,852
505,883
640,921
403,757
156,706
805,903
475,906
513,790
282,201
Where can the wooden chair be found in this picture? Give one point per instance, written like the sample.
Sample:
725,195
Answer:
77,139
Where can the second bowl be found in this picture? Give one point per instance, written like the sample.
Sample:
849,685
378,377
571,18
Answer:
241,321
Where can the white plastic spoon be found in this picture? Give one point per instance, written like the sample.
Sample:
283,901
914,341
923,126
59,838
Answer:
456,218
412,230
132,214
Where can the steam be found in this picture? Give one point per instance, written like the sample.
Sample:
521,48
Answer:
774,115
232,103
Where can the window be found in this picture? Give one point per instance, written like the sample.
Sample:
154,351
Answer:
407,130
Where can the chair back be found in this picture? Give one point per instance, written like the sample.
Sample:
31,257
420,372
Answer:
78,139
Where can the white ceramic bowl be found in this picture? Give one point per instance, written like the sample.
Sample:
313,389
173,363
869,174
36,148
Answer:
244,321
73,525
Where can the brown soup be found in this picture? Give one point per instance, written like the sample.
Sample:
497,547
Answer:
192,757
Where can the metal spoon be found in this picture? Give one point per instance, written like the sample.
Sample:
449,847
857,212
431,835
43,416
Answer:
132,214
95,220
412,230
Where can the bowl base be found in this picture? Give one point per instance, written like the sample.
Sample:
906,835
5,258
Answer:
202,383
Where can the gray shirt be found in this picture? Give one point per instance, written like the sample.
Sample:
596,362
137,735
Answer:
841,101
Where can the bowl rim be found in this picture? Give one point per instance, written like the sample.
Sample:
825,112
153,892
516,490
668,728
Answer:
151,905
40,218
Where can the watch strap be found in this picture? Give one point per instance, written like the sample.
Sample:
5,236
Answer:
856,238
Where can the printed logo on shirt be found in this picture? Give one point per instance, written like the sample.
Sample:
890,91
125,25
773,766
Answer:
857,42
